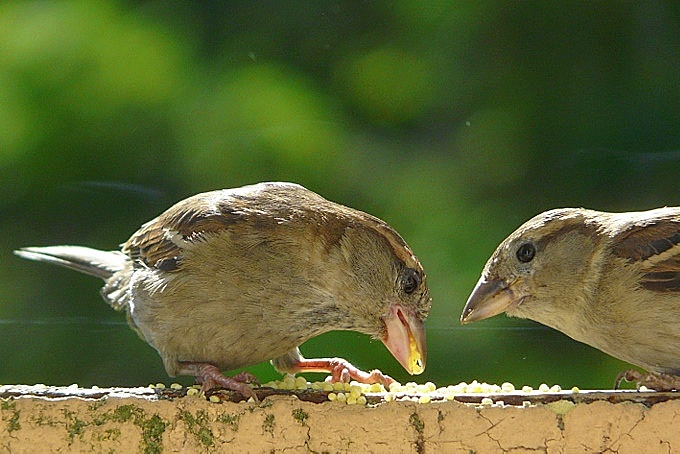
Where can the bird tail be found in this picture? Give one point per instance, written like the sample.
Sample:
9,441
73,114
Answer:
102,264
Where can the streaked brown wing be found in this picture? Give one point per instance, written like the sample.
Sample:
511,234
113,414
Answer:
655,243
158,242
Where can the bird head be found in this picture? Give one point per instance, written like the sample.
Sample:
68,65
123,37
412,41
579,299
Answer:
534,271
386,290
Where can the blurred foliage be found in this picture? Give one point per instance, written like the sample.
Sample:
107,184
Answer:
452,121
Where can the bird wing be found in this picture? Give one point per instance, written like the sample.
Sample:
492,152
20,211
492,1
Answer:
655,244
159,242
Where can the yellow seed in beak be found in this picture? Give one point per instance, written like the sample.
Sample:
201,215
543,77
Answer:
415,363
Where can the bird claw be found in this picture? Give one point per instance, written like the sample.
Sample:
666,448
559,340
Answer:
653,380
342,371
210,378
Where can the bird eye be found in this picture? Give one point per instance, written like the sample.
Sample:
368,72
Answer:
526,253
410,281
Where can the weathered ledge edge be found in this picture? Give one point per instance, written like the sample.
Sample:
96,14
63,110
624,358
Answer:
153,420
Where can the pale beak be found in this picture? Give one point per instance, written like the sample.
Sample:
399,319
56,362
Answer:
405,338
488,298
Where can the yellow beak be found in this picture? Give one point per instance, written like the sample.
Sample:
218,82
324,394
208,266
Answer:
405,338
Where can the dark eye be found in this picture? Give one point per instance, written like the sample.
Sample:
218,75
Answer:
410,281
526,253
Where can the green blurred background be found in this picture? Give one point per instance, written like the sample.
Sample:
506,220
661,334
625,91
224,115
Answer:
453,121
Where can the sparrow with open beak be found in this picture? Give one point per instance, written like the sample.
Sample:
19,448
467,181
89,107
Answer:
610,280
231,278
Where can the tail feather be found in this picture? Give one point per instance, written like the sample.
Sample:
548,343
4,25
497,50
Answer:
102,264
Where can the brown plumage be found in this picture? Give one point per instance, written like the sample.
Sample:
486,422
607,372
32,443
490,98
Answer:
610,280
234,277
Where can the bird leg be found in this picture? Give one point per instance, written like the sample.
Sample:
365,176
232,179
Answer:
653,380
341,371
210,377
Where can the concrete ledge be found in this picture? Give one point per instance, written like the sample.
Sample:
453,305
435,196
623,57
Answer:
42,419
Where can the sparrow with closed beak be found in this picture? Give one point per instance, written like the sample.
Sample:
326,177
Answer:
234,277
610,280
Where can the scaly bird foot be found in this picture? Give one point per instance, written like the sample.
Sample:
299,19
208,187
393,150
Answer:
653,380
210,377
342,371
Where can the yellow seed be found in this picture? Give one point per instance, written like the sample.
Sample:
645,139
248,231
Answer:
342,397
300,383
544,388
555,388
507,387
192,392
474,387
355,391
527,389
332,396
424,399
351,400
427,387
575,390
338,386
327,386
160,385
376,388
214,399
487,402
415,361
176,386
361,400
389,397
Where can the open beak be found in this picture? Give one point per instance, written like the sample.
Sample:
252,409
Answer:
488,298
405,338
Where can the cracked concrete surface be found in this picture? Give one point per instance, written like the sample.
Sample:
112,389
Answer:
117,423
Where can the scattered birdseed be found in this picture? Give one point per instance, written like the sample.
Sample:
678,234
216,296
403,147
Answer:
214,399
354,393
